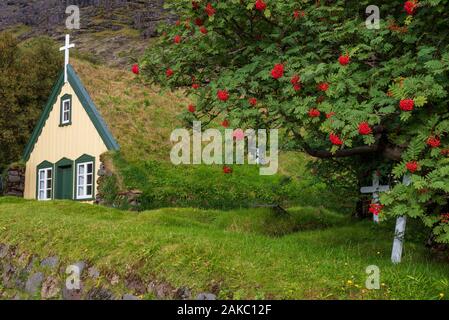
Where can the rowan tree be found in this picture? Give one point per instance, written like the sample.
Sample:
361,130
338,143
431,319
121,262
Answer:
341,91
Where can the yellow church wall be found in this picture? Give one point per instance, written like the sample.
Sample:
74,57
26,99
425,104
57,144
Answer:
55,142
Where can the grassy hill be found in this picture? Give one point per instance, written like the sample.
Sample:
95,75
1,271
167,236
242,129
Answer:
309,254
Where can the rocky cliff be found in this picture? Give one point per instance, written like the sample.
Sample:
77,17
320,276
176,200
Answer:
109,28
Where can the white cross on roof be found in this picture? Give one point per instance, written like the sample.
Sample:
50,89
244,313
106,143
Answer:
66,49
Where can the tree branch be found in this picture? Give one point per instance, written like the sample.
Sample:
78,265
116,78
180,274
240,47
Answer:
325,154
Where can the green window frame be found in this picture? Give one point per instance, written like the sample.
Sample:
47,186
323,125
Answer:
66,109
45,173
85,178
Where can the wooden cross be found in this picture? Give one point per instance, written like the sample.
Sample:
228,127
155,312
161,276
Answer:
399,233
375,189
66,49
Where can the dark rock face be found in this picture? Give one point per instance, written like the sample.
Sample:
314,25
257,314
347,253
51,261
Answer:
48,16
113,32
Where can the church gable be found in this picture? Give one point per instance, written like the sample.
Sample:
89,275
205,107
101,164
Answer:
61,101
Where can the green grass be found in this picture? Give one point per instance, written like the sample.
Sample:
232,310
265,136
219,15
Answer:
309,254
202,186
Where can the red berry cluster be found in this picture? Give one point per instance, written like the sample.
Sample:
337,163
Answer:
324,86
407,105
314,113
200,24
135,69
252,101
296,82
223,95
344,60
227,170
278,71
177,39
375,208
210,10
298,14
169,73
225,123
412,166
260,5
330,115
434,142
410,7
365,129
335,139
191,108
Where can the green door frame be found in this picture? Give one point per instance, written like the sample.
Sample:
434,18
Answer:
63,163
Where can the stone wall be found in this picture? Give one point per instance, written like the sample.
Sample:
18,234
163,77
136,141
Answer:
14,182
103,174
110,192
24,275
